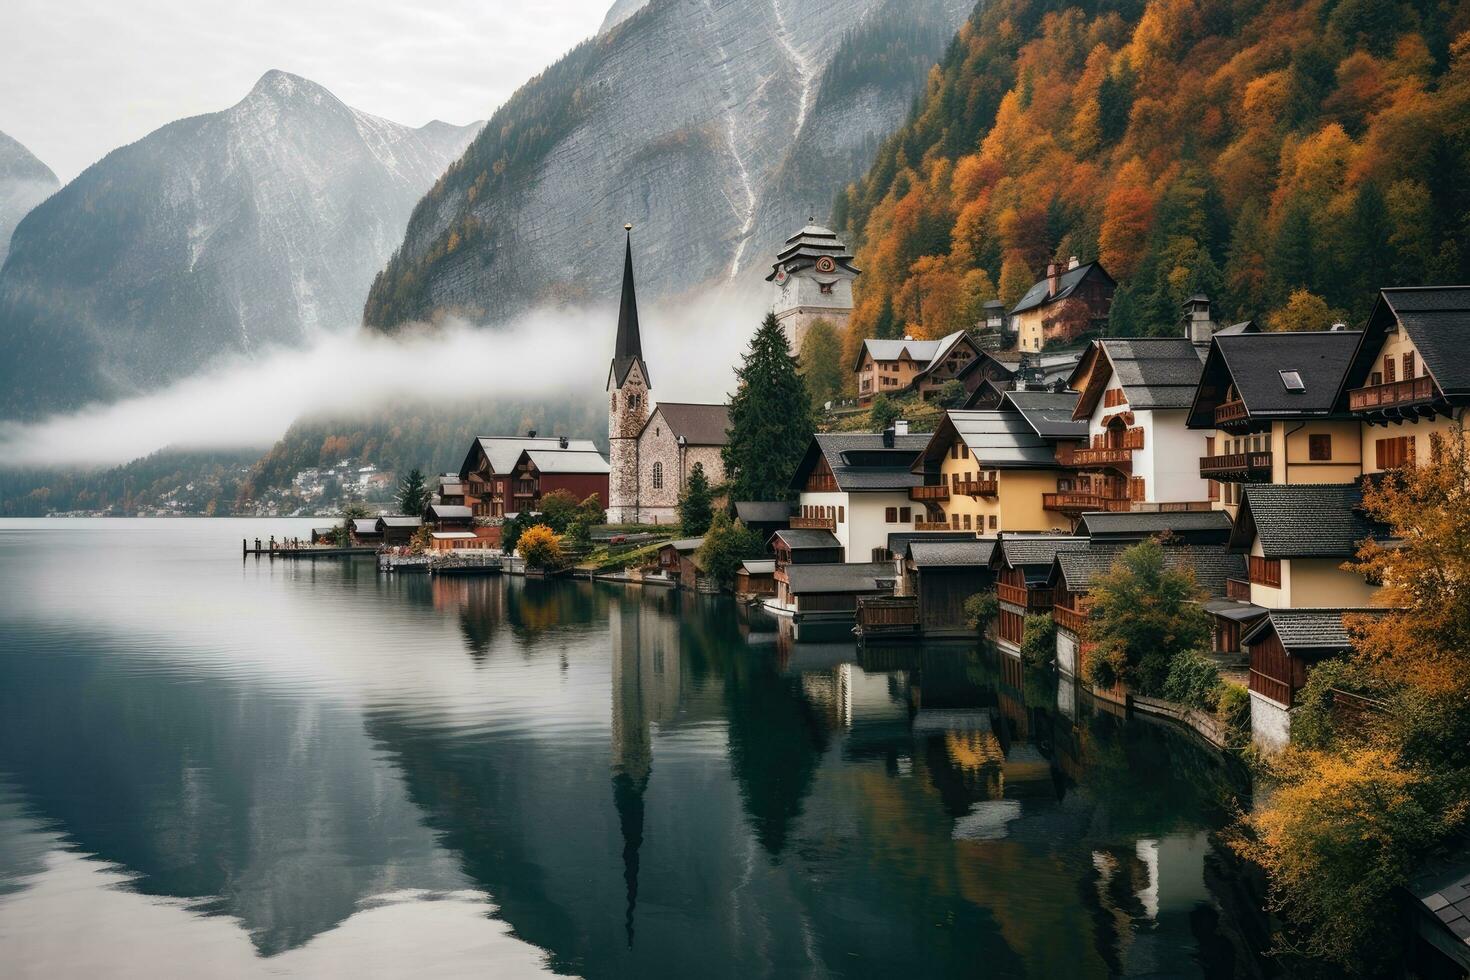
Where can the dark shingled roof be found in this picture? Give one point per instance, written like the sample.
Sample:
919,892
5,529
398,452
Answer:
997,440
764,511
1040,292
1437,320
1036,549
1212,565
930,554
1136,525
401,521
1442,886
875,576
1049,413
899,541
700,425
859,460
1253,362
1307,629
442,511
1155,372
1304,520
806,538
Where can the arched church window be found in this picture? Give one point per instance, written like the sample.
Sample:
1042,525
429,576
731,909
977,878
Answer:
633,402
658,476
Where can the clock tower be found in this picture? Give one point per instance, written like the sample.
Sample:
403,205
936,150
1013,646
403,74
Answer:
812,276
628,390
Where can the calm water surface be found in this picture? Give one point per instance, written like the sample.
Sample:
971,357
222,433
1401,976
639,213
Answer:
211,767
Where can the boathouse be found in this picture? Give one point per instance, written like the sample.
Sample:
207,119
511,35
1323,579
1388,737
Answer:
1021,564
756,577
941,575
831,591
398,530
679,562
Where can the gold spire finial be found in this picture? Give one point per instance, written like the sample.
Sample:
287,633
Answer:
628,226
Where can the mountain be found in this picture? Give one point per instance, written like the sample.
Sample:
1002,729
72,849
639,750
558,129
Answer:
1287,159
715,128
222,233
24,183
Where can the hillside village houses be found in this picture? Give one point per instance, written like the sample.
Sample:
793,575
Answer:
1063,305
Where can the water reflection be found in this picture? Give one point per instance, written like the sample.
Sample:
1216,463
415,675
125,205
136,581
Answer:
630,783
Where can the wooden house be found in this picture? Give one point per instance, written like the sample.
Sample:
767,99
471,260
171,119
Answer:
831,591
756,577
398,530
805,546
449,517
460,540
1061,307
539,472
764,517
1021,564
365,531
487,473
679,562
1297,538
941,575
857,486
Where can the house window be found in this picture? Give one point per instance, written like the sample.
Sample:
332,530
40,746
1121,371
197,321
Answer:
1389,369
967,523
890,515
1394,452
954,521
1319,447
841,514
964,450
658,476
994,522
1408,365
1265,571
905,515
1136,489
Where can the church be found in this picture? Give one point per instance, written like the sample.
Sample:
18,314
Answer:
652,446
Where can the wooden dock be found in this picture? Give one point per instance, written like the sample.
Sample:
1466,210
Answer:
294,548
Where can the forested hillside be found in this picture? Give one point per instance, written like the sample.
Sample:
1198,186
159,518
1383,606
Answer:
1285,158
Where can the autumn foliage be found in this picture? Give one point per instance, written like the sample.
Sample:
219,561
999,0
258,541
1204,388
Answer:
1245,149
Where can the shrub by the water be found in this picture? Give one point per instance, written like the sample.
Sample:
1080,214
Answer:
1038,640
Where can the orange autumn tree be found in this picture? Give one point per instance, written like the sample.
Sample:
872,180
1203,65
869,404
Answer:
1356,803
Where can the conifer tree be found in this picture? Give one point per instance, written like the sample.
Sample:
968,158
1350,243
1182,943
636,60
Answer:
770,419
695,504
413,496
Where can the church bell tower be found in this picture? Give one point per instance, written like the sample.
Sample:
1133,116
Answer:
813,276
628,388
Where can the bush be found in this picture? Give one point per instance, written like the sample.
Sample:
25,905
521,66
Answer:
1233,710
883,413
1193,679
1038,640
952,394
727,543
981,610
1144,614
540,547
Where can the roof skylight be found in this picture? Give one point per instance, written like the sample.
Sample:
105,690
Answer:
1293,381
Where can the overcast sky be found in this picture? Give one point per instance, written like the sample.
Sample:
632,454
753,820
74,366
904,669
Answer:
80,78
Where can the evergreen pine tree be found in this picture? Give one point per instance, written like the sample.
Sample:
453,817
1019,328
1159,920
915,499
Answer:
696,509
413,496
770,419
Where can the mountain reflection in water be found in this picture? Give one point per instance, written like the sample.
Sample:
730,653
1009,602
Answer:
287,768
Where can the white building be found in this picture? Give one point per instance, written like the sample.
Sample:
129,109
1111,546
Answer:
857,485
813,275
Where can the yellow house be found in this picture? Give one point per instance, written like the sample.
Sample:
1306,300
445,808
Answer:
1269,403
1410,376
996,470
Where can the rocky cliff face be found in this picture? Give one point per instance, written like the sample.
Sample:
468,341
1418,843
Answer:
24,183
715,128
221,233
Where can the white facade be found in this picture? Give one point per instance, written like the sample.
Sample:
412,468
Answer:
1270,723
1168,463
862,524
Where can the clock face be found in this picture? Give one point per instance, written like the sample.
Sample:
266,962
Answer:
825,264
780,275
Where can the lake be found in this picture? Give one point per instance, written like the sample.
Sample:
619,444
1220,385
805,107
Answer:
217,767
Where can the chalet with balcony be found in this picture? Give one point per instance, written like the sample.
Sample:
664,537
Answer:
993,471
857,486
1284,645
1268,405
1069,302
1134,396
1410,376
451,489
1073,574
1297,538
1021,564
488,472
538,472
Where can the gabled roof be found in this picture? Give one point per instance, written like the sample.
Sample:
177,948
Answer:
875,576
759,566
951,554
440,512
684,545
1308,628
1040,292
1437,320
997,440
1212,565
919,351
504,452
861,462
764,511
698,424
1137,525
1036,550
807,538
899,541
1304,520
567,461
1049,413
364,525
947,344
1155,372
401,521
1254,362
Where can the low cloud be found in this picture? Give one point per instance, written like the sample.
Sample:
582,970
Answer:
691,348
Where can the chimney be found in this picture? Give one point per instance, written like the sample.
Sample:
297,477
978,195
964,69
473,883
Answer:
1338,327
888,437
530,433
1071,263
1199,327
901,427
1053,279
562,442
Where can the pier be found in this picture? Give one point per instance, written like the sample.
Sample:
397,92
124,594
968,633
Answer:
296,548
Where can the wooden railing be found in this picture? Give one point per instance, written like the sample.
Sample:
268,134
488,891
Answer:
1276,690
815,523
1237,589
1069,618
976,488
932,492
1226,412
887,612
1073,501
1089,456
932,526
1032,600
1391,394
1236,467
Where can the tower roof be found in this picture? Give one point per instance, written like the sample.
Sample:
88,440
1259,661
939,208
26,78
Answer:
807,246
628,347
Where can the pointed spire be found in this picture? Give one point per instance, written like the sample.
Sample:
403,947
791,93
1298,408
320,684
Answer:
629,344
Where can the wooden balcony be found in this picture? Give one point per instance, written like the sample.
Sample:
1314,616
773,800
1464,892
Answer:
1236,468
1080,503
1416,393
1228,412
1031,600
933,492
1102,456
815,523
976,488
1069,618
1236,588
888,614
933,526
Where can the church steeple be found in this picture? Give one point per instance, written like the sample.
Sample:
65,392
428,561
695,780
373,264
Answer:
629,391
629,344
